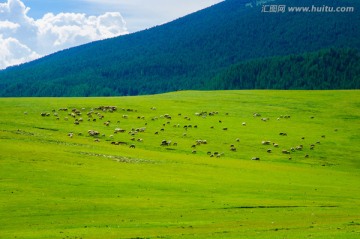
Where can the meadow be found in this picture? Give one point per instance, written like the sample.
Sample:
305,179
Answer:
187,164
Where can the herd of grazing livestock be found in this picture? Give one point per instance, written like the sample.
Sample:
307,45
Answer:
112,125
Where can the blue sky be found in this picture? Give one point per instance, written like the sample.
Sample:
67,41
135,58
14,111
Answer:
30,29
138,14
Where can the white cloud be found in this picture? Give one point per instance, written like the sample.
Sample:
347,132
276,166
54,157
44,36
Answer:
6,25
142,14
23,38
13,52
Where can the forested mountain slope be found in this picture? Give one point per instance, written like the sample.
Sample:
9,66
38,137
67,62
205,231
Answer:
325,69
189,53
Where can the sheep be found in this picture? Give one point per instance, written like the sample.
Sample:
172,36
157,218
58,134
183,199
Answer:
199,141
167,116
193,152
257,115
233,149
265,119
70,135
225,129
283,134
285,151
243,123
269,150
265,142
93,132
119,130
165,143
255,158
140,130
275,145
132,146
237,140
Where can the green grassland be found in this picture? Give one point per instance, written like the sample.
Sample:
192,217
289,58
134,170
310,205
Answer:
56,186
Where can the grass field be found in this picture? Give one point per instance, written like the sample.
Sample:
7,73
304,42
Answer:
57,181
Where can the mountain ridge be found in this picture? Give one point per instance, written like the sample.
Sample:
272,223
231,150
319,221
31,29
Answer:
184,54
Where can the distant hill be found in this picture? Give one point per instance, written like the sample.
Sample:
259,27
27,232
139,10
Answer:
197,51
325,69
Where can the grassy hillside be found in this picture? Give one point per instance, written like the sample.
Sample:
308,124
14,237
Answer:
57,186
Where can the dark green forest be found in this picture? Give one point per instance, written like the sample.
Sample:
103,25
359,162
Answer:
325,69
226,46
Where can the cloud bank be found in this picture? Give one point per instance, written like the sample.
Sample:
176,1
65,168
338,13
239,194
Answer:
23,38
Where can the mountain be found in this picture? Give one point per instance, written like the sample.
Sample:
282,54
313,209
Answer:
195,52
